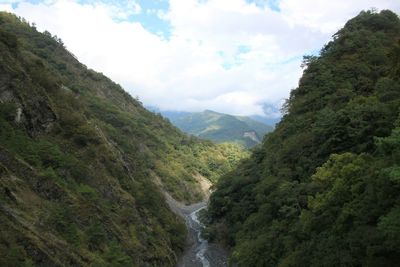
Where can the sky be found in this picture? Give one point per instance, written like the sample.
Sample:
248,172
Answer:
239,57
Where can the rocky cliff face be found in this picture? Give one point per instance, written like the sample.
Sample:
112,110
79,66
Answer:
35,112
252,135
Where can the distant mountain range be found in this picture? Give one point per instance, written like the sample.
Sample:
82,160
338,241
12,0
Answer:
220,127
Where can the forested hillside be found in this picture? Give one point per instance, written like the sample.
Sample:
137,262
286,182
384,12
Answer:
82,163
222,128
324,189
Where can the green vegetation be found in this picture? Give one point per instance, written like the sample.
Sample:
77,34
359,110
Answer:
323,190
222,128
82,163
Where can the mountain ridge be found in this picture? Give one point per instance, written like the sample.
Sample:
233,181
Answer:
323,188
220,127
80,159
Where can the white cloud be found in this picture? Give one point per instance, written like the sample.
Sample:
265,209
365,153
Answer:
6,7
226,55
9,1
328,16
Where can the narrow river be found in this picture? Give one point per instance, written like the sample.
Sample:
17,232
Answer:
198,252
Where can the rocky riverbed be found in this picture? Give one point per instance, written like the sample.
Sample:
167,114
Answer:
199,252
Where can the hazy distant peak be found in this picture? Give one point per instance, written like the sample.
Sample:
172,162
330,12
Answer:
220,127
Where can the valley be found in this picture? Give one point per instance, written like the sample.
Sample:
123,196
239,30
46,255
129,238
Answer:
90,177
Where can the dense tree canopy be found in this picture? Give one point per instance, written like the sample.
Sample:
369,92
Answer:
324,188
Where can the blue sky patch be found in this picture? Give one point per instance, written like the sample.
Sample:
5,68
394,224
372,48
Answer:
236,61
272,4
243,49
150,17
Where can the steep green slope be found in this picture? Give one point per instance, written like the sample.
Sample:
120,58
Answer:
81,163
324,188
222,127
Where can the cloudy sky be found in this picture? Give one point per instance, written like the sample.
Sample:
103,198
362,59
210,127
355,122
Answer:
234,56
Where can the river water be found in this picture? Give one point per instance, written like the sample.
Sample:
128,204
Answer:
200,253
